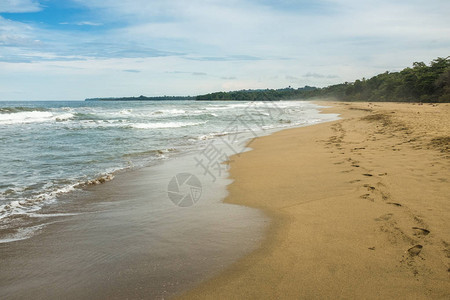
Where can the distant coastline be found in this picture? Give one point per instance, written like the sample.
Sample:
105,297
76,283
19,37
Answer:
421,83
288,93
143,98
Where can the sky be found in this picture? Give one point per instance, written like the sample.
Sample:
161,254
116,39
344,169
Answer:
77,49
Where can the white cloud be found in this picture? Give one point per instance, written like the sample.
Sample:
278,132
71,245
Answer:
82,23
16,34
247,28
19,6
237,43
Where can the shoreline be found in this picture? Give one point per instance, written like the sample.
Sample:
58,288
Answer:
127,243
349,215
125,238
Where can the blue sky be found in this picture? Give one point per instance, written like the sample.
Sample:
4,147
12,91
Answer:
74,49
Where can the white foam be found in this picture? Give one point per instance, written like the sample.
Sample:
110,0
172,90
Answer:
25,117
170,111
25,206
125,111
213,135
22,234
34,215
165,125
63,117
32,117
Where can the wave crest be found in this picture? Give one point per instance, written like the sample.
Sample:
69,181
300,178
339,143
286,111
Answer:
34,116
165,125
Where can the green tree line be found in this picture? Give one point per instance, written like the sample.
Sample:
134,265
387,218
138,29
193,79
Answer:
421,82
143,98
258,95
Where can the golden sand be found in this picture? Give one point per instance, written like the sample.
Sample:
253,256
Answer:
360,208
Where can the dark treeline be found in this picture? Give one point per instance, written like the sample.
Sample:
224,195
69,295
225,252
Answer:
258,95
421,82
144,98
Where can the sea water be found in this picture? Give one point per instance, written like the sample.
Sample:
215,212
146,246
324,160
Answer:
51,148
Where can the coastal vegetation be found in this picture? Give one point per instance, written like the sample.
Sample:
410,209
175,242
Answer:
143,98
419,83
258,95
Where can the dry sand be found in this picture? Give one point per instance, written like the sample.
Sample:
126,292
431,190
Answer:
360,208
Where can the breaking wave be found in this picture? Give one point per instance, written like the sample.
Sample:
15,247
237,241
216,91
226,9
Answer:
32,116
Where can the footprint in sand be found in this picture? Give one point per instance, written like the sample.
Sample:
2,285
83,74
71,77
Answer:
367,196
414,251
420,231
369,187
384,196
354,181
385,217
446,248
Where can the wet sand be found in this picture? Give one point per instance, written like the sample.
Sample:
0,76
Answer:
127,240
360,208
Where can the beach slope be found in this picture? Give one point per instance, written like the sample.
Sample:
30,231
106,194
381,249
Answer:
360,208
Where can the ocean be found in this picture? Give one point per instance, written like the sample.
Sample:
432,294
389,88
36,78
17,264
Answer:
50,149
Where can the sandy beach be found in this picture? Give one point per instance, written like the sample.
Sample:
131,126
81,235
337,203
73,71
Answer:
359,207
354,208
